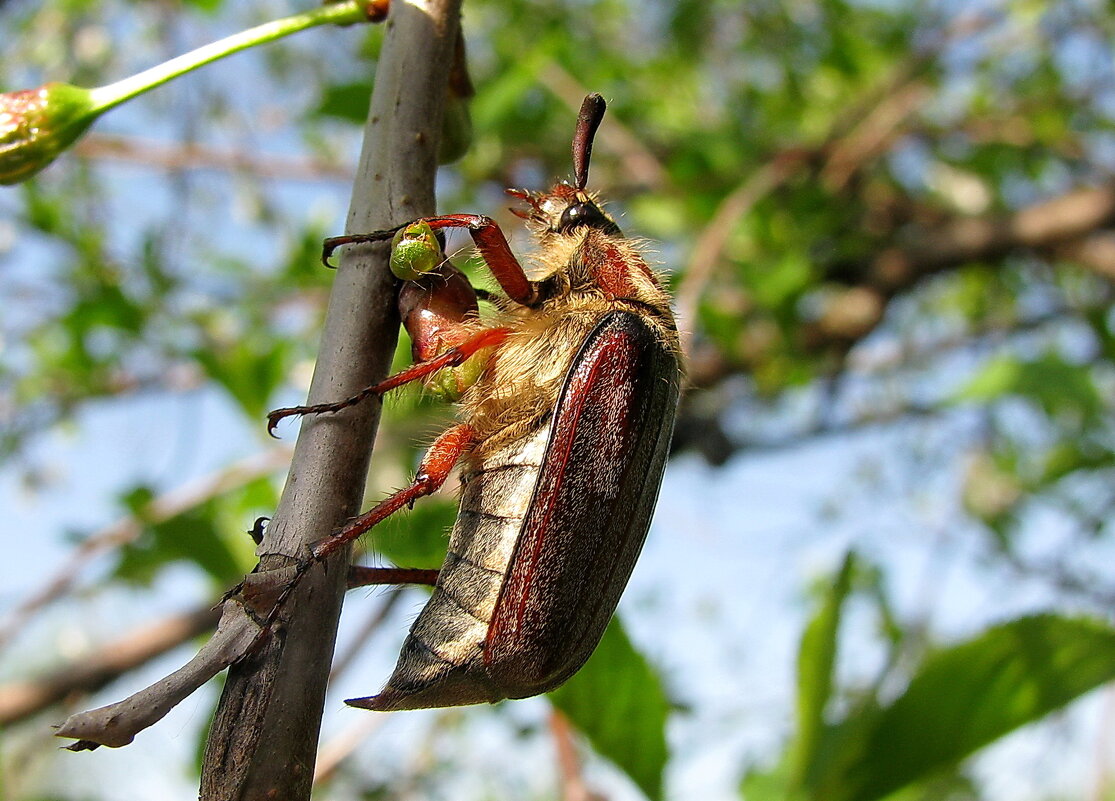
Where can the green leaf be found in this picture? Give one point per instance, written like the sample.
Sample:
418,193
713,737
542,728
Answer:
618,703
249,368
1056,385
816,658
770,784
347,101
963,698
192,536
208,6
418,538
783,281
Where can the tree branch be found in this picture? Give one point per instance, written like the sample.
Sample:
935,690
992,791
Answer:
264,738
117,724
1041,226
183,156
1071,225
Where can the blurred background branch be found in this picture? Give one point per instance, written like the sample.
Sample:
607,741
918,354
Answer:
890,233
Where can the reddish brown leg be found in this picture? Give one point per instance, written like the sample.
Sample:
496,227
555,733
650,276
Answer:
495,251
330,245
371,576
432,473
489,240
439,310
438,462
484,338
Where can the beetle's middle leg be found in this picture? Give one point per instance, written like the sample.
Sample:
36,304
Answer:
439,461
360,576
484,338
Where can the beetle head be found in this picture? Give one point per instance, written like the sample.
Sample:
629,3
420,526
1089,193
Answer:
566,207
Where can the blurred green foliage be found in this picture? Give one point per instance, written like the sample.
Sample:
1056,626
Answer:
782,154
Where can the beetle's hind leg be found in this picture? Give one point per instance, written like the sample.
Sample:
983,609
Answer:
435,468
439,461
359,576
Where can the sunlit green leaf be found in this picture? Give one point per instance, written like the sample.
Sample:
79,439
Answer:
964,697
193,536
816,661
617,701
1056,385
347,101
250,369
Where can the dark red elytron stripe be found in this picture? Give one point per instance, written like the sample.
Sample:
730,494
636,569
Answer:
564,448
567,531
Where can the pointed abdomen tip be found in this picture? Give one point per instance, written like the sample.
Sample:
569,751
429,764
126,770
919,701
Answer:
383,702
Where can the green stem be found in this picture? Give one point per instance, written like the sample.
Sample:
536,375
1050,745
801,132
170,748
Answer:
105,97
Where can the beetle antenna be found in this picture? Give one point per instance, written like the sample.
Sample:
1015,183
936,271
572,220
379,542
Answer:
592,112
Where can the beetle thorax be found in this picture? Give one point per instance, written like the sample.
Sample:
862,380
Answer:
590,264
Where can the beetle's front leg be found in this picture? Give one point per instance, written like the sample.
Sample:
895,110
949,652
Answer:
490,242
496,253
438,307
435,468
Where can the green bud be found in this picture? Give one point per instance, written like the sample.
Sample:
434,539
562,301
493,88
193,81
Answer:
415,251
450,384
456,130
36,125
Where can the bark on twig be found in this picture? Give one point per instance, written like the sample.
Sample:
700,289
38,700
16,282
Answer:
264,738
263,741
117,724
107,725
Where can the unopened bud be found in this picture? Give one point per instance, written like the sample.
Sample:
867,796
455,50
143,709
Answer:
450,384
38,124
415,251
456,130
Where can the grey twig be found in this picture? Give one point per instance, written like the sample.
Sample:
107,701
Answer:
263,741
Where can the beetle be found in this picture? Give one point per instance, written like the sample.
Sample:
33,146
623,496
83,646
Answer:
566,402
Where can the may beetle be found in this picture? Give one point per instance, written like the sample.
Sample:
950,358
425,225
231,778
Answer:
567,401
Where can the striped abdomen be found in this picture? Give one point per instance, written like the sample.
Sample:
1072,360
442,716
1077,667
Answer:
548,532
441,663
